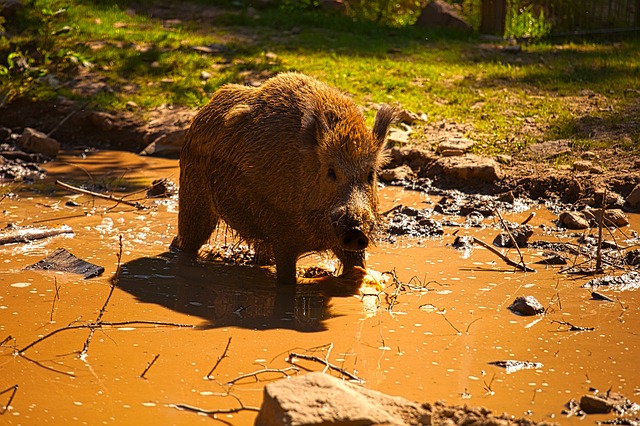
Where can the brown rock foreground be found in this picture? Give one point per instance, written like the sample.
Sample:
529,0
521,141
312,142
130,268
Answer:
321,399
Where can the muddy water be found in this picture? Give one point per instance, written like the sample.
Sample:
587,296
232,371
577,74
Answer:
435,343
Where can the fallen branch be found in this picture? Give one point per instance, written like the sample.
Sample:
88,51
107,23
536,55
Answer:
120,200
508,261
23,235
216,411
326,363
101,325
282,371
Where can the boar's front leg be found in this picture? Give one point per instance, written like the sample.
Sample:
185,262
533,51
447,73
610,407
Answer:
285,265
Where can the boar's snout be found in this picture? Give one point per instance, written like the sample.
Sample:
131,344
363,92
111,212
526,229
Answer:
354,240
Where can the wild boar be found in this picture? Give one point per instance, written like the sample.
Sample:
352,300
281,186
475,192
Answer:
290,166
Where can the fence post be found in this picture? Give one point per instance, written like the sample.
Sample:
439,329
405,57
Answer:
494,13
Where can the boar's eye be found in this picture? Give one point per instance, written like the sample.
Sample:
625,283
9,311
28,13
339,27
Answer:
371,176
331,174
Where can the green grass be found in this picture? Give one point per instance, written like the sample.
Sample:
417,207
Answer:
510,100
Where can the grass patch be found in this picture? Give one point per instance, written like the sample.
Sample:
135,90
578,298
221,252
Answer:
151,53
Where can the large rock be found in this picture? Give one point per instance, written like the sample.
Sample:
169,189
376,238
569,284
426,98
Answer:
320,399
455,146
37,142
439,14
471,168
633,200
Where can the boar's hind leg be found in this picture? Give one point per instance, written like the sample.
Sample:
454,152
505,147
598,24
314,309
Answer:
349,259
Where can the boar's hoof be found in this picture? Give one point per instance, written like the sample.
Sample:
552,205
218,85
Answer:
354,240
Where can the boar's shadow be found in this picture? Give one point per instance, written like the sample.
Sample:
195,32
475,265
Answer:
224,295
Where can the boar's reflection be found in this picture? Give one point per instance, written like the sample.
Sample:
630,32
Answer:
224,295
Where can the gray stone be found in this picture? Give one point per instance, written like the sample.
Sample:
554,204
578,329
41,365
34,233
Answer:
320,399
37,142
471,168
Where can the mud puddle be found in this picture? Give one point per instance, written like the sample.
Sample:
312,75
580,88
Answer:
201,329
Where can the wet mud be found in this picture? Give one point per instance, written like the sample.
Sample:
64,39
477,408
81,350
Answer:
211,333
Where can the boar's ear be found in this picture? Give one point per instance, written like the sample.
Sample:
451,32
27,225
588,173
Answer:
312,126
236,115
385,116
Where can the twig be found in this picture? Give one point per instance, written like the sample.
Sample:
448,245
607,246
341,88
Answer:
441,312
13,389
149,365
487,387
331,366
216,411
600,222
573,327
23,235
469,326
508,261
72,188
98,320
282,371
220,358
102,324
56,297
513,240
531,216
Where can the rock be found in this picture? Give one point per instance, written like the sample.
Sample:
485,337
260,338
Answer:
550,149
463,242
320,399
398,137
633,199
408,117
592,404
586,166
520,233
610,198
37,142
573,220
166,145
612,217
439,14
102,120
455,146
471,168
399,173
526,306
